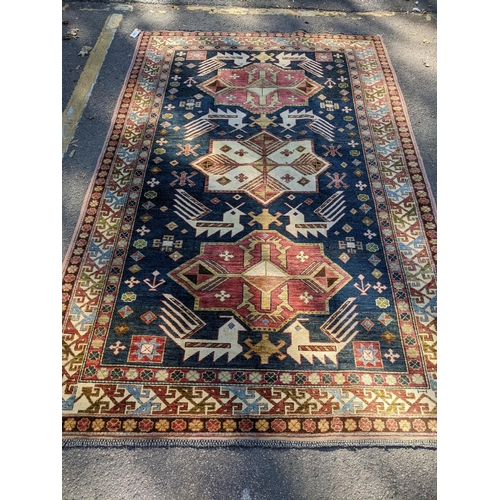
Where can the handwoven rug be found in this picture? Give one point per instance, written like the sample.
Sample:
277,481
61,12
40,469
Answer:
255,259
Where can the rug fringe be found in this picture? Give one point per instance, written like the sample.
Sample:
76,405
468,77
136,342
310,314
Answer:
245,443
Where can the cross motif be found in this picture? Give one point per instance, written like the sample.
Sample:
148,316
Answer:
337,181
391,356
222,295
332,150
370,234
226,255
265,219
379,287
287,178
117,347
302,256
265,349
131,282
143,230
153,182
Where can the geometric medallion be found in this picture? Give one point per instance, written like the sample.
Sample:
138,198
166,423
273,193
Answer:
264,278
261,88
263,166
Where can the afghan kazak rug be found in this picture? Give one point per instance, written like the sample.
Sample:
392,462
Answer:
255,261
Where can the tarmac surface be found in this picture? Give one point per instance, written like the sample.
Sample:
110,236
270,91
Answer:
91,84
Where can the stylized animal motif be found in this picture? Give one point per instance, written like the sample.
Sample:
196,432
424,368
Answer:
306,63
339,328
331,211
178,320
206,67
225,343
317,124
205,123
191,210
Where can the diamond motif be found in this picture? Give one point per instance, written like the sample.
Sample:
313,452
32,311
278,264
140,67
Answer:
223,181
148,317
385,319
175,256
388,336
344,257
125,311
137,256
367,324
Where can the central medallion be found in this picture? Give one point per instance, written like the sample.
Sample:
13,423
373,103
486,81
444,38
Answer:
263,166
264,278
261,87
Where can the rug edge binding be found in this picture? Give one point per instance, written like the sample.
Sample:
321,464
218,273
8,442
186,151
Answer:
430,443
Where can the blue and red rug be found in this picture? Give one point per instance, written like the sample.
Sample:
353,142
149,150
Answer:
255,260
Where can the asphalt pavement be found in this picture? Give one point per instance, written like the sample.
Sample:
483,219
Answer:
91,82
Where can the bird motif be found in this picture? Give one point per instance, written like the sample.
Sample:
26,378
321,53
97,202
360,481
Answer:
192,211
331,211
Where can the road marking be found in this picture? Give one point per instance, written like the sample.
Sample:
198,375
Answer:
83,90
244,11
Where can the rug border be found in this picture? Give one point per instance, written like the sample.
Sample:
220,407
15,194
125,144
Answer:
88,193
410,128
204,441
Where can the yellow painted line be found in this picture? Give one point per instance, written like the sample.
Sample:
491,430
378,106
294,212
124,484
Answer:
94,10
376,14
243,11
74,109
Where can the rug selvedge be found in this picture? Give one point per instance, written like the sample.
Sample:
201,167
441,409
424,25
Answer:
252,267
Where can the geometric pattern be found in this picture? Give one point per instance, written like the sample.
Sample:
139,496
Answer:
261,87
256,257
264,278
263,166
